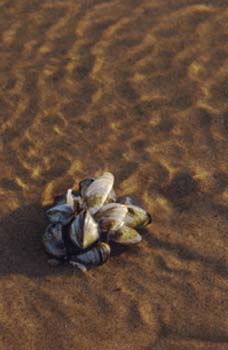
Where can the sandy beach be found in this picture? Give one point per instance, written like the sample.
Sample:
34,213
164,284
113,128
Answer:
138,88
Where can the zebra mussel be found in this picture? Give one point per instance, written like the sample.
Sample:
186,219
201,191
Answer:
84,222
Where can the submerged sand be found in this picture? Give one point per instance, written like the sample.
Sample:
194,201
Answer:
139,88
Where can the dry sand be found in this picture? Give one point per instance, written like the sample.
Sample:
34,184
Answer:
139,88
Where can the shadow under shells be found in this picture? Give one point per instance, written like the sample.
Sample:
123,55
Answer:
21,249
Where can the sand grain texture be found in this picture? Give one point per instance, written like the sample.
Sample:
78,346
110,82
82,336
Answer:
138,88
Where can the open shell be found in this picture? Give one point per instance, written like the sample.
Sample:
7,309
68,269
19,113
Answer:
111,216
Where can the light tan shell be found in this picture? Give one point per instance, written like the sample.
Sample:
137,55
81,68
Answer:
111,216
125,235
98,191
136,217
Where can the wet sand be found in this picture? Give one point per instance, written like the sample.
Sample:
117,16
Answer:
139,88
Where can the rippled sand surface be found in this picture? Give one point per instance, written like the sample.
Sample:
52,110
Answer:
139,88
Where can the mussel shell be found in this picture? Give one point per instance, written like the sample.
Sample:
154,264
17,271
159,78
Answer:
125,235
105,251
62,213
75,202
137,217
62,198
84,230
112,197
78,204
53,241
95,256
98,191
70,198
111,216
84,184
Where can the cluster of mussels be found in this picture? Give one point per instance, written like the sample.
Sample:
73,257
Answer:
82,223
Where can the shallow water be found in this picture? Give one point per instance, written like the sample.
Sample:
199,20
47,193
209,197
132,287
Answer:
138,88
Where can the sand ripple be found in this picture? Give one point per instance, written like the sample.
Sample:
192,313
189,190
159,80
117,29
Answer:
138,88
